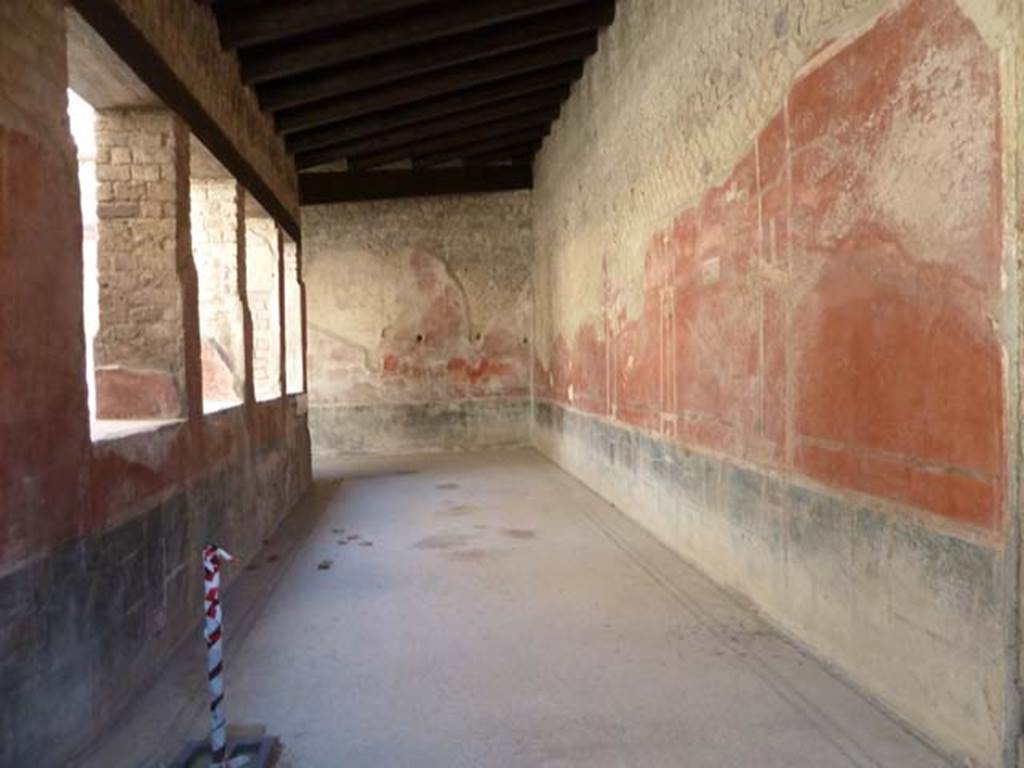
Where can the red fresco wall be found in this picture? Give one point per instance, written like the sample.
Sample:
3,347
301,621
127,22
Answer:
799,317
429,352
55,484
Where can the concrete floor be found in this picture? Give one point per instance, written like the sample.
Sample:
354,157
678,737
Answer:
489,610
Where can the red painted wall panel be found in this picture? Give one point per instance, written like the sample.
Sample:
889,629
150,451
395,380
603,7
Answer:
827,308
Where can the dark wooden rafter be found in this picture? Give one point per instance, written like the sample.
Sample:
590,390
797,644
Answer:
532,125
542,100
519,153
243,26
340,187
484,44
111,23
380,122
493,143
439,83
379,83
268,63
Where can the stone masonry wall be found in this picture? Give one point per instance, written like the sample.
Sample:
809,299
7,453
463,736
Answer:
185,32
217,235
419,322
777,323
99,542
295,368
142,162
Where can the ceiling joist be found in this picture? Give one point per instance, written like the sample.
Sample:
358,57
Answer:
532,125
382,122
429,24
494,143
372,83
542,102
262,24
486,44
350,186
446,81
520,153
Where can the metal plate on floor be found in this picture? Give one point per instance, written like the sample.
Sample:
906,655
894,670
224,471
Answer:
258,751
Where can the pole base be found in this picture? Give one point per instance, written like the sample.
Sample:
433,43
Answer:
258,751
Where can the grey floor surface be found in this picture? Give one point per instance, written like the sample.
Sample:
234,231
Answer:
489,610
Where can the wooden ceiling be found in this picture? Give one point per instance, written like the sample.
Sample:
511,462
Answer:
469,87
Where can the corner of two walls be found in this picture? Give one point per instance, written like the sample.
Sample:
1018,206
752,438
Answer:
776,322
419,323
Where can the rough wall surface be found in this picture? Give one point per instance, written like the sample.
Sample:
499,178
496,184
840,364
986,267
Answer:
262,283
185,33
418,308
99,542
774,322
142,170
90,619
217,216
295,355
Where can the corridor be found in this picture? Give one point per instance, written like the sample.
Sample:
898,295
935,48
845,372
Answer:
488,609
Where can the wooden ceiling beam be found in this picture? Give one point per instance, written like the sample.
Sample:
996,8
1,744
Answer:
478,148
113,24
549,100
444,82
518,153
481,96
353,186
485,44
278,21
262,64
519,130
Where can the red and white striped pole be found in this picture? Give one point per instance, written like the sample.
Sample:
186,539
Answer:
212,631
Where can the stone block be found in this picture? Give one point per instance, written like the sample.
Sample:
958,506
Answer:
123,393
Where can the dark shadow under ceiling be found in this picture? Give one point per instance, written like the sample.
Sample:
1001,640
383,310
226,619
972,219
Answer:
467,86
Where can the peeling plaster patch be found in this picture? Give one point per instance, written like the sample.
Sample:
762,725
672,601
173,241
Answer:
847,180
420,302
936,148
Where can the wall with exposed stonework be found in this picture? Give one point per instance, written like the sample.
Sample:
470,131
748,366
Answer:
142,173
100,540
185,33
262,283
218,245
776,322
419,322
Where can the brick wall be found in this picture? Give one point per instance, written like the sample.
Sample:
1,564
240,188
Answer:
142,170
217,236
419,330
186,34
262,271
99,542
765,330
295,368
